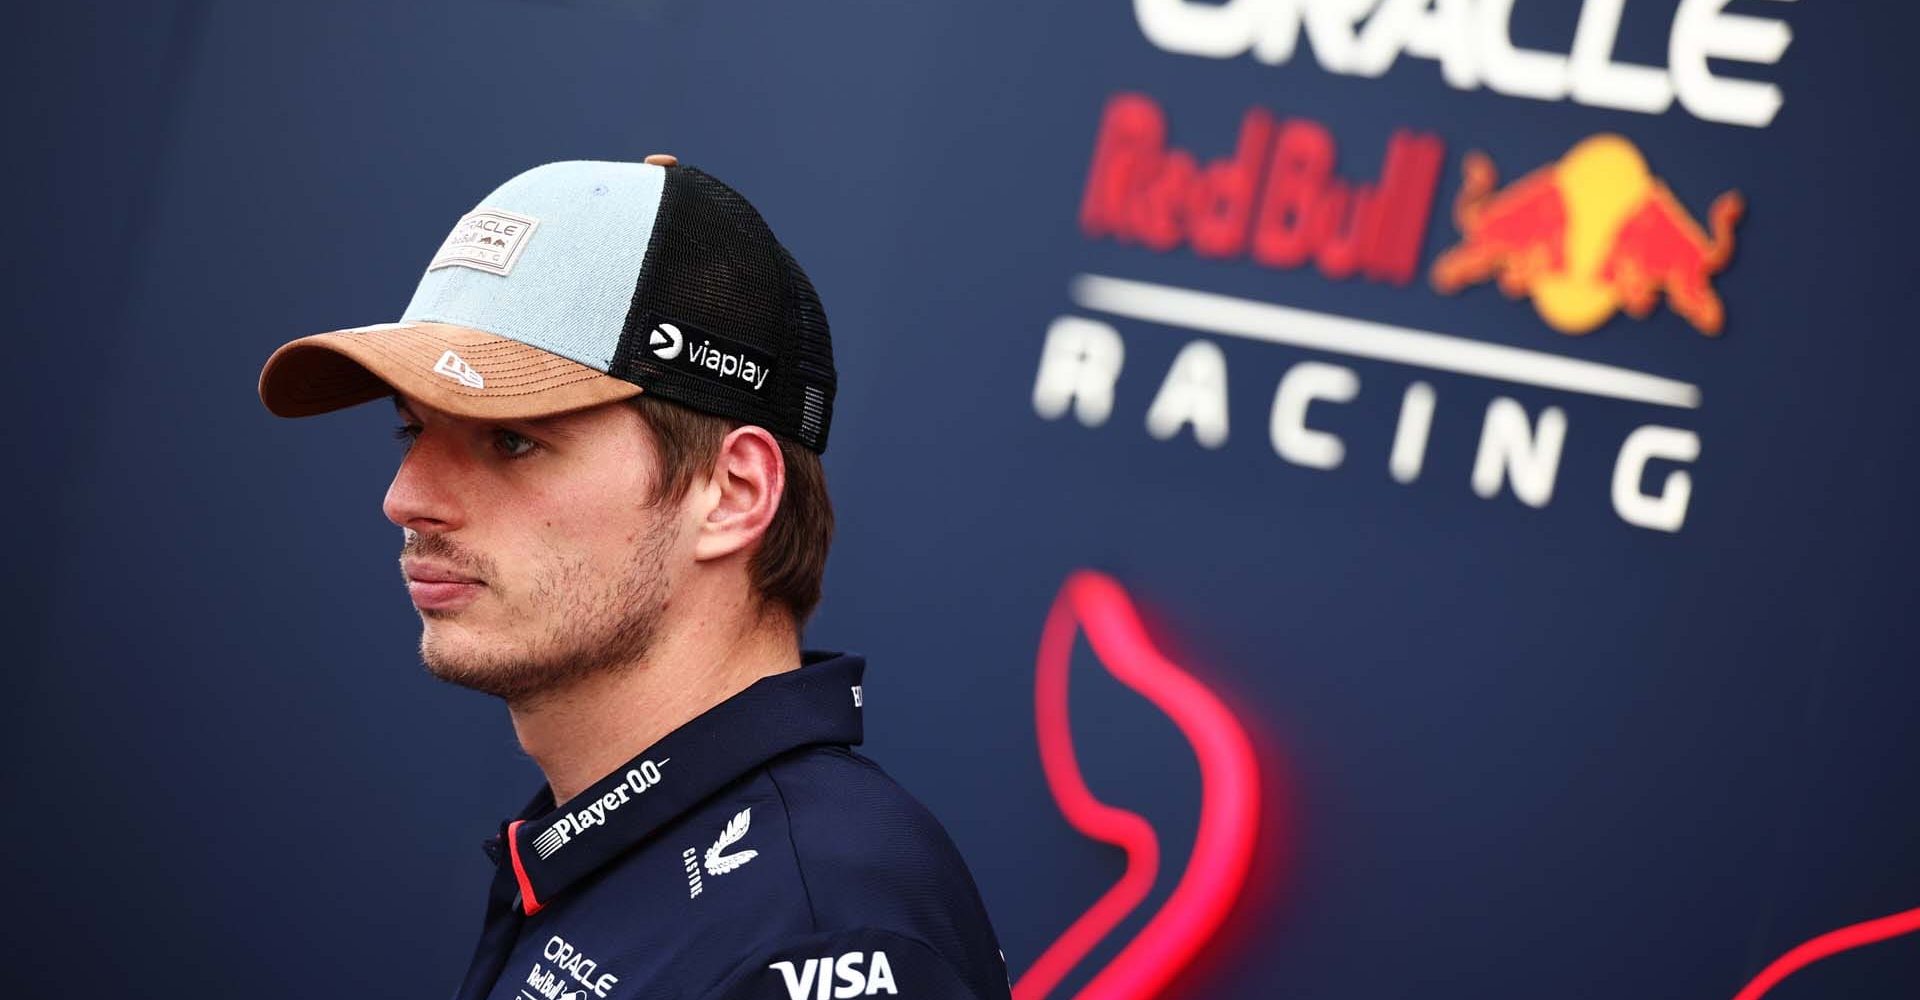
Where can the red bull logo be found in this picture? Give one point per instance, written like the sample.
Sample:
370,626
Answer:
1276,199
1588,236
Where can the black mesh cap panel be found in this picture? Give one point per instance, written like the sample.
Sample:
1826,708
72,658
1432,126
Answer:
719,304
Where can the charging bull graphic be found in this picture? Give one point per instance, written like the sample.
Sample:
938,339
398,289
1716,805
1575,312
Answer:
1587,236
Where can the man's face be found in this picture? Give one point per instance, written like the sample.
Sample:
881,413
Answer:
530,550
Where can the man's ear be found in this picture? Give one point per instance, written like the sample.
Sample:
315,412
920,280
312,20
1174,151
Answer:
746,482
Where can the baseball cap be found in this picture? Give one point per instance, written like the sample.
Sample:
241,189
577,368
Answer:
585,282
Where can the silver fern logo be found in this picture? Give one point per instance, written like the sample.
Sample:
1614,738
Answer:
720,864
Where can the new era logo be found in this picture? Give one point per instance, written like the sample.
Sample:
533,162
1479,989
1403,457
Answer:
666,341
456,368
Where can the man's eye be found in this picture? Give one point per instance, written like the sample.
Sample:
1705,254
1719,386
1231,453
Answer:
406,434
512,445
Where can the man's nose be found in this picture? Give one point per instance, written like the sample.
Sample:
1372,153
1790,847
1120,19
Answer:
424,494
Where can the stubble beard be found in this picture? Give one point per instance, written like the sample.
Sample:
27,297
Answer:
594,626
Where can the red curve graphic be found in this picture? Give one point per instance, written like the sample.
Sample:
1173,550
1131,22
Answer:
1830,943
1229,801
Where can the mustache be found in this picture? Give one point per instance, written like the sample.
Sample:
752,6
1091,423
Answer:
444,549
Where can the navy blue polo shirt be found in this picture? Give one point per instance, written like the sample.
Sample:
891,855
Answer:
749,853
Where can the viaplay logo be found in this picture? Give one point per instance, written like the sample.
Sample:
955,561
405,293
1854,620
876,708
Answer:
1595,234
712,358
666,341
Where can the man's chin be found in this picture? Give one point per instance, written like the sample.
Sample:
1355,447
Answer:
453,634
466,656
497,652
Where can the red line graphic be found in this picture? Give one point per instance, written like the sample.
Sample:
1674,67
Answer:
528,904
1830,943
1229,801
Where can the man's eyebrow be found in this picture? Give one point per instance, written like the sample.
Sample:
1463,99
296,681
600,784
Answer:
556,425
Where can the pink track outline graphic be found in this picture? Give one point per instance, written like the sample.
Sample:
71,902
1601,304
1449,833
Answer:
1216,871
1831,943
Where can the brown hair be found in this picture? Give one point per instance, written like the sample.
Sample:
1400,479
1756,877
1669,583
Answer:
792,557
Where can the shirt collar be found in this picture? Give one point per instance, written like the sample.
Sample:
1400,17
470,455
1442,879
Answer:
550,849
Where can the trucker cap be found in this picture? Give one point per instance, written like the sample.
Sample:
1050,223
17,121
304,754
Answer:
581,283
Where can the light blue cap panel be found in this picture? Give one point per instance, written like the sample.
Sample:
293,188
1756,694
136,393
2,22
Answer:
569,288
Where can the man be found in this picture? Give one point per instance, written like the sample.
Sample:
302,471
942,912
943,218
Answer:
613,384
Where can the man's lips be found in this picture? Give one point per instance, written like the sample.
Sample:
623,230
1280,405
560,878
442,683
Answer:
439,588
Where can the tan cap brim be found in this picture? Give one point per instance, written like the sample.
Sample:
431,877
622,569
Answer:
467,373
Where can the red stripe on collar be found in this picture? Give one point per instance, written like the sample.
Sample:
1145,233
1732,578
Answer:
527,903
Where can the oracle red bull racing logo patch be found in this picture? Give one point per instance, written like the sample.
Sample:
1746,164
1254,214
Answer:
1588,236
1591,236
569,975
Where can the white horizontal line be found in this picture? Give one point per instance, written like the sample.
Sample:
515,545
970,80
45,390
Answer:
1235,317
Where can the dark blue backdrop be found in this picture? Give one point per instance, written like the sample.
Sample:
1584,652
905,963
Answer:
1521,751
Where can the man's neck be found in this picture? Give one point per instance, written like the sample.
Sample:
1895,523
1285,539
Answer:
586,731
